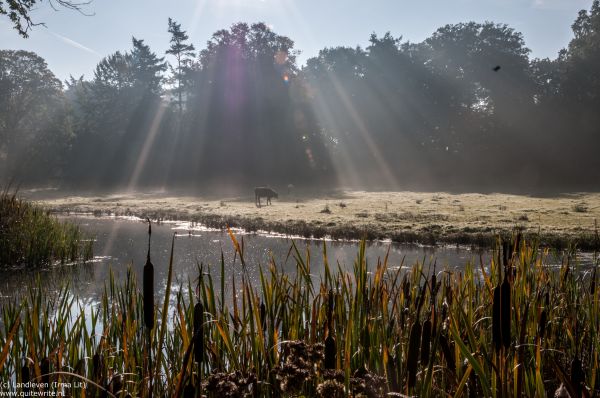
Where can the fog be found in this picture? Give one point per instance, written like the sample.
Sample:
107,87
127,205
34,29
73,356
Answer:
464,110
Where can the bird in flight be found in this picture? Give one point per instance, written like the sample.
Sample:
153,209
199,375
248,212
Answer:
496,68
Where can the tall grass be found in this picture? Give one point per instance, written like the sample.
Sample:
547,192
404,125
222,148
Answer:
30,236
509,328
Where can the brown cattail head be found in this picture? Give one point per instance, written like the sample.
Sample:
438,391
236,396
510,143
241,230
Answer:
392,374
330,304
412,357
542,324
577,376
96,364
447,351
189,391
505,312
433,285
425,341
263,315
45,369
116,384
496,329
366,342
149,294
198,332
149,286
330,352
406,290
25,375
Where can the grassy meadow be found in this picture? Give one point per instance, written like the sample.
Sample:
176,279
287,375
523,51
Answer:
406,217
509,328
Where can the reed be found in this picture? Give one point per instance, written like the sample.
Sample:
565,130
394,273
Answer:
374,330
31,237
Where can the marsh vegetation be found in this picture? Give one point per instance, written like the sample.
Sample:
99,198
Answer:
510,326
31,237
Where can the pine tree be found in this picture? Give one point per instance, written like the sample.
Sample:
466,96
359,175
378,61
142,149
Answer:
147,67
183,54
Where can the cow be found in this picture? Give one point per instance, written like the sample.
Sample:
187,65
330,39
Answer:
264,192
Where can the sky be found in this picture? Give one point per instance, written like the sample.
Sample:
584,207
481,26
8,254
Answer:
73,43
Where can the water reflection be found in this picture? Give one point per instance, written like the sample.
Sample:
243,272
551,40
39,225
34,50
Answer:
121,243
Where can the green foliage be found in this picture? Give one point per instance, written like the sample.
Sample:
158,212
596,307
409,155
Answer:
34,124
29,236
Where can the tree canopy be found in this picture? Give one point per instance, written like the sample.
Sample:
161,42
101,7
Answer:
467,108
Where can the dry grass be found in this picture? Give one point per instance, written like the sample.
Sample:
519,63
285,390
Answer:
450,217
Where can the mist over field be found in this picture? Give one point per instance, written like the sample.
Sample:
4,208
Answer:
466,109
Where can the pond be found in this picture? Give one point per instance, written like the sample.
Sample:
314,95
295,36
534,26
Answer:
121,243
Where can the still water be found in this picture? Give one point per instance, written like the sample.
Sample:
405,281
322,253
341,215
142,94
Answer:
123,243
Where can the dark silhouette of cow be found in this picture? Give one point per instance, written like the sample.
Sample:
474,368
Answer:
264,192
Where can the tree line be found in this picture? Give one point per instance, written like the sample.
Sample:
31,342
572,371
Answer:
466,109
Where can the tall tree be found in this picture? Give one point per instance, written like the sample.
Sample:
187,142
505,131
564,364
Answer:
183,53
248,121
31,106
116,114
147,68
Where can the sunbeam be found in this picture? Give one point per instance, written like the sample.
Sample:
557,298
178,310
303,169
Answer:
142,158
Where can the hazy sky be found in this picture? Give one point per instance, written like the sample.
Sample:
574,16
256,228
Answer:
73,43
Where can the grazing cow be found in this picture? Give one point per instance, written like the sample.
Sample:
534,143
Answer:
264,192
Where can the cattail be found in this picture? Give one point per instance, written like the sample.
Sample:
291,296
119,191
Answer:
366,342
505,312
25,376
330,304
45,369
392,375
116,384
425,340
149,287
97,361
406,290
593,282
577,376
390,326
496,331
263,315
198,332
447,353
330,352
414,342
189,391
542,324
433,285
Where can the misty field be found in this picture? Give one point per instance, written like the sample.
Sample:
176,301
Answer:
401,216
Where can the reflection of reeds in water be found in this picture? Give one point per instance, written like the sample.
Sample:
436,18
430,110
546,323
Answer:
514,328
30,236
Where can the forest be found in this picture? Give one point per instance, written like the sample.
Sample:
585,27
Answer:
465,109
